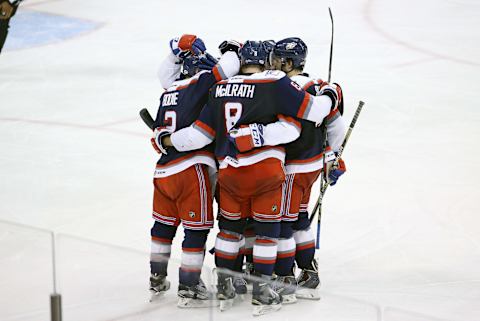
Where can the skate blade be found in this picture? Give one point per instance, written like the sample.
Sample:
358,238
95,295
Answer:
240,297
187,303
308,294
289,298
264,309
156,296
226,304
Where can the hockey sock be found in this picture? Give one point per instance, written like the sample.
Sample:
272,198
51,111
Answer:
249,241
227,246
305,243
162,236
285,256
240,257
264,255
192,256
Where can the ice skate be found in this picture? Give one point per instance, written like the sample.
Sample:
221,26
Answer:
195,296
308,283
240,286
158,286
225,291
264,298
286,286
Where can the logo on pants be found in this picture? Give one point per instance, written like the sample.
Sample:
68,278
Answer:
191,214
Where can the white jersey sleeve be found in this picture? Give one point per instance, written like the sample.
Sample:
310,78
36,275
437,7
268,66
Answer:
189,138
284,131
169,70
229,64
336,130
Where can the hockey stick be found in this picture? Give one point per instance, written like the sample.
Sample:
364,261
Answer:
147,118
331,48
318,205
323,180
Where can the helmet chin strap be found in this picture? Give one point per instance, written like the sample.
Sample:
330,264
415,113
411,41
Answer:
284,69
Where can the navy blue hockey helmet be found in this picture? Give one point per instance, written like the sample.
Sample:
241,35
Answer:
253,53
269,45
190,66
290,48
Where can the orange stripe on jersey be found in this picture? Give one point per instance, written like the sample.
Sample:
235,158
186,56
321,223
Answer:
303,106
217,74
332,114
205,127
308,84
290,120
311,159
185,86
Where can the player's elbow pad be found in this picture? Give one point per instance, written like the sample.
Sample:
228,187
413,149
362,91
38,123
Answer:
229,63
321,107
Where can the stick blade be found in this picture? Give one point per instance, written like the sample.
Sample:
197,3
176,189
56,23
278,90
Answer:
147,118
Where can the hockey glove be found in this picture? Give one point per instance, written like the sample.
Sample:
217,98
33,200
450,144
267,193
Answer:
340,98
247,137
207,62
186,45
334,92
334,173
156,140
6,10
230,45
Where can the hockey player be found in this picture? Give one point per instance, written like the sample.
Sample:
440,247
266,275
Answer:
182,188
304,163
250,182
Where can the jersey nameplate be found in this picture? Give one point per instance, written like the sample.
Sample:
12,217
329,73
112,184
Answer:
170,99
235,90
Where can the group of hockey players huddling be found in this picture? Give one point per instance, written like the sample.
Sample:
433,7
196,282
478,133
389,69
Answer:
249,130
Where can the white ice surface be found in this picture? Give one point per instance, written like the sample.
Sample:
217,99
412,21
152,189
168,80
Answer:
400,232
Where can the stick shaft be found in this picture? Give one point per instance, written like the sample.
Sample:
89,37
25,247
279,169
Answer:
331,48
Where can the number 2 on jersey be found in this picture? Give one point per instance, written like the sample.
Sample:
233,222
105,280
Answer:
170,120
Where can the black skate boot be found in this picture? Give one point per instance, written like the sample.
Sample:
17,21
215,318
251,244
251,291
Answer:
195,296
240,285
286,286
309,283
158,286
264,298
225,290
